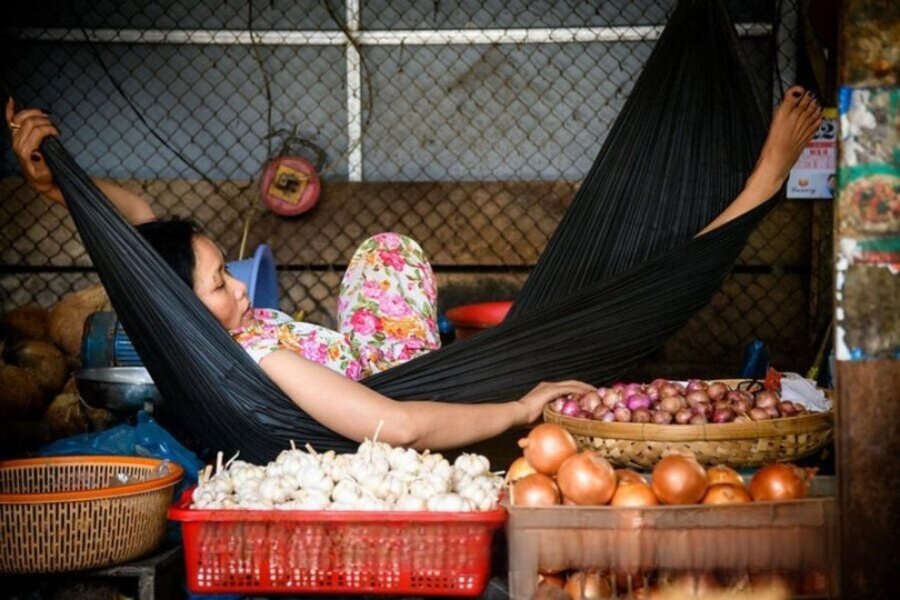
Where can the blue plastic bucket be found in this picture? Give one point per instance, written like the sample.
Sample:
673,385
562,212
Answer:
260,276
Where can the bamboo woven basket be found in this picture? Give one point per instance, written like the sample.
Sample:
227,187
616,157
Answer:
67,514
641,445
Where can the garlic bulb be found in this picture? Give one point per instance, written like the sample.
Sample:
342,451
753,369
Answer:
370,448
346,492
426,487
241,472
449,503
314,477
362,468
406,461
339,468
470,465
250,487
388,487
377,477
410,503
274,489
309,500
368,503
480,497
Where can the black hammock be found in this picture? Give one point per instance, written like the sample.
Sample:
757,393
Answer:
620,274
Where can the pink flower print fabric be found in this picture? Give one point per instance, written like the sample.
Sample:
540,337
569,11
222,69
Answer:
388,302
387,311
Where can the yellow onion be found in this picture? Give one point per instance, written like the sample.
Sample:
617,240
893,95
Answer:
519,469
679,479
586,479
781,482
630,476
633,494
722,474
547,446
726,493
534,490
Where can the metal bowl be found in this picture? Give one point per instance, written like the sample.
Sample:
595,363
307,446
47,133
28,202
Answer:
121,389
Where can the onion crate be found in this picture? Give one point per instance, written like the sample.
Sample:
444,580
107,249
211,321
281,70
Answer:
758,537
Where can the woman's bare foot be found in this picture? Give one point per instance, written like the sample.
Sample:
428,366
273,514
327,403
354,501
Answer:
795,121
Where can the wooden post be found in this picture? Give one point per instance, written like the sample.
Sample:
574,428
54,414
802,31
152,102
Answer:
867,295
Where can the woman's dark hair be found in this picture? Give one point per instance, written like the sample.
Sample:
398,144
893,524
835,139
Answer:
172,239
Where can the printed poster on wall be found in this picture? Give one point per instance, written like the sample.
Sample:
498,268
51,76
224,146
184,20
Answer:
814,174
867,276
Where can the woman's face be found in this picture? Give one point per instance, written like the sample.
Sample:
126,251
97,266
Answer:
224,296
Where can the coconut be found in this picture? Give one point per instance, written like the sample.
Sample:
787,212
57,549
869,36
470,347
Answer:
27,322
66,317
44,360
65,416
22,395
71,386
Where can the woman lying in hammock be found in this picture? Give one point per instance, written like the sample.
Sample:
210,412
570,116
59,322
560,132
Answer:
386,307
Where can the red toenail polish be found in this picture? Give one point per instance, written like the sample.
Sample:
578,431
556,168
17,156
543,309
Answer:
35,157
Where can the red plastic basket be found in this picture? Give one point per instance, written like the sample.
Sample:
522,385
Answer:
260,551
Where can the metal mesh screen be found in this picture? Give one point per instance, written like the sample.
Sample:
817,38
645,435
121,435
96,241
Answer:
464,124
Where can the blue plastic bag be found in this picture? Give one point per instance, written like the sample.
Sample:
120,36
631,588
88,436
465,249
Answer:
147,438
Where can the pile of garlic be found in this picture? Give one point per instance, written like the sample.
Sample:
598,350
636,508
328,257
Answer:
376,478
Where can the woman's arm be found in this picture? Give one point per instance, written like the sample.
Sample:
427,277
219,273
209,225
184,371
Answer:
355,411
29,127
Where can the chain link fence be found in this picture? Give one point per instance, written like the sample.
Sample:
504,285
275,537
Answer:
464,124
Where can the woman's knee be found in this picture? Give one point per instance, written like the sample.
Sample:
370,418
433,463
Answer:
390,240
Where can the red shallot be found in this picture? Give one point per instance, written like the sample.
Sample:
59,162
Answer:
671,404
623,415
724,415
661,417
787,409
767,400
696,397
758,414
638,401
590,401
684,416
716,390
641,415
570,408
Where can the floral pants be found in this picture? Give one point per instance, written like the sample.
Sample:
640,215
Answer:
387,314
387,305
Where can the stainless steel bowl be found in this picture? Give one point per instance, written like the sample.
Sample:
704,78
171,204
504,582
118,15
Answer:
121,389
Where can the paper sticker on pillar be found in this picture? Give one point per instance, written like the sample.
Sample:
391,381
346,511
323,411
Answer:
868,312
814,174
869,121
869,197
